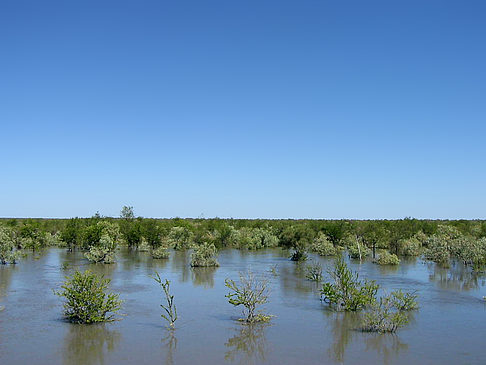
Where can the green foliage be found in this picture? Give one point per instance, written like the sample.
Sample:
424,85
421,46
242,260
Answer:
323,246
250,292
347,292
102,245
387,258
143,246
170,309
314,272
87,300
255,238
160,252
357,250
180,238
384,317
298,238
410,246
8,253
404,301
204,256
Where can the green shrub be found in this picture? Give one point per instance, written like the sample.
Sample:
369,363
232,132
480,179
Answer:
357,250
160,252
387,258
438,250
347,292
180,238
87,300
384,317
103,252
322,246
314,272
143,246
204,256
250,292
170,309
410,247
389,314
8,253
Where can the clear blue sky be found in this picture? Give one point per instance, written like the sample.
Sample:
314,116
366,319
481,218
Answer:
273,109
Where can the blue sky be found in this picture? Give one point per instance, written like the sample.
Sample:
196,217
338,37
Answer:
272,109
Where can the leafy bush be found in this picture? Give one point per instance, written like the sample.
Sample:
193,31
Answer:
387,258
438,250
250,292
170,308
314,271
347,292
204,256
255,238
323,246
180,238
8,254
389,314
87,300
357,250
160,252
410,247
104,251
384,317
144,245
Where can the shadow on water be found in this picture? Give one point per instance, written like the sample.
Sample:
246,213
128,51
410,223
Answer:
248,345
87,344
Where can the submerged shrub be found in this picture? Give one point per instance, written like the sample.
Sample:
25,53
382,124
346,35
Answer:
8,253
323,246
438,250
383,317
160,252
104,252
170,309
180,238
389,313
410,247
250,293
314,271
87,300
204,256
387,258
144,245
357,250
347,292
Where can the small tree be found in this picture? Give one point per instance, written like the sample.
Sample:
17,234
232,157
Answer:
8,254
87,300
347,292
314,272
170,308
250,292
204,256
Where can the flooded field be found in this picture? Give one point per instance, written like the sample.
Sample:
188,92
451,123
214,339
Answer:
449,328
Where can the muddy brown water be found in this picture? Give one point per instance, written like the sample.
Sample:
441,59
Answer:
449,328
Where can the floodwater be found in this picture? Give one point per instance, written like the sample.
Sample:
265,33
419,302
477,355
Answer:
449,328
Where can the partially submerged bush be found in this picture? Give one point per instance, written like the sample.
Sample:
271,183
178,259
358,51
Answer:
255,238
8,253
410,247
143,246
323,246
160,252
314,272
389,313
387,258
358,250
204,256
170,309
180,238
104,251
347,292
250,292
438,250
87,300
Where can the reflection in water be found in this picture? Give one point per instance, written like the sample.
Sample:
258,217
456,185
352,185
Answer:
203,276
457,277
249,342
180,264
293,281
388,345
86,344
343,328
170,344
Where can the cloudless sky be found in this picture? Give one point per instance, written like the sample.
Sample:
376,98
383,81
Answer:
272,109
